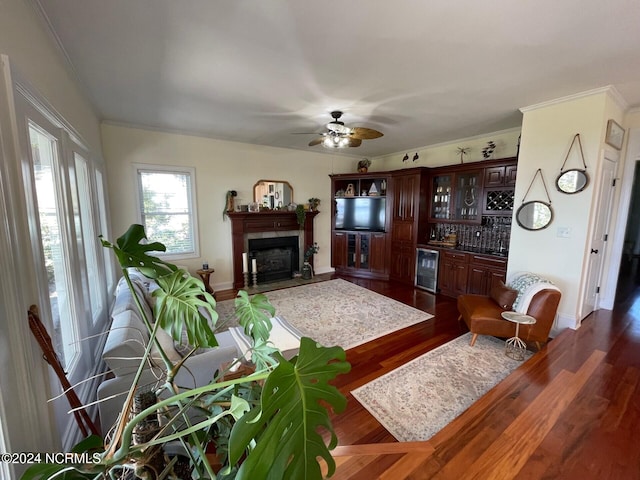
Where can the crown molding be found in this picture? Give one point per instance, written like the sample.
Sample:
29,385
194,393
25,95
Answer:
609,90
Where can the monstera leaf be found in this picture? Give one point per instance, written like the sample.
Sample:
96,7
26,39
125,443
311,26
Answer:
252,315
285,427
177,307
132,253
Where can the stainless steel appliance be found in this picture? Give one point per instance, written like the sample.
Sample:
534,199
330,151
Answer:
427,269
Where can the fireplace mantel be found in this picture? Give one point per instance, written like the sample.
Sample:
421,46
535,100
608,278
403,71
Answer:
243,223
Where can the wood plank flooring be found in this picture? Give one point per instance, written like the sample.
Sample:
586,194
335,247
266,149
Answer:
571,411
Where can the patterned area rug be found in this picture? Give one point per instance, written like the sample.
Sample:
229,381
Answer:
418,399
335,312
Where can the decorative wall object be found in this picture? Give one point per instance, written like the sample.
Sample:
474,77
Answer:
614,135
573,180
535,214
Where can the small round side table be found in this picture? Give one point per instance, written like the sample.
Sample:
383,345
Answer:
204,275
515,347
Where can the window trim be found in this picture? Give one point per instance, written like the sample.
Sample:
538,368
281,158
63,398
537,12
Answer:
193,213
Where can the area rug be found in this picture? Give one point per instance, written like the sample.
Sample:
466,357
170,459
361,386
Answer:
418,399
335,312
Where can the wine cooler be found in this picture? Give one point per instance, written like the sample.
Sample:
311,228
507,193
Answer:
427,269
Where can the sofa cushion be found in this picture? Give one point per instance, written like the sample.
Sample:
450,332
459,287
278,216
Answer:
125,343
503,295
125,301
166,342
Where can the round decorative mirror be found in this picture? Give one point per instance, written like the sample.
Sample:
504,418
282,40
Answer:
534,215
572,181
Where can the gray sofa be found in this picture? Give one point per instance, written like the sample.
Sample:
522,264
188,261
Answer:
125,345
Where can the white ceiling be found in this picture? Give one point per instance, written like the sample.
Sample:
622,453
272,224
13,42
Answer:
422,72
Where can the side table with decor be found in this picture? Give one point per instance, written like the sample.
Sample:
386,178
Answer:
205,274
515,347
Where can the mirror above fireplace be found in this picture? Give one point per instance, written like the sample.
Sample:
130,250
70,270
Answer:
272,193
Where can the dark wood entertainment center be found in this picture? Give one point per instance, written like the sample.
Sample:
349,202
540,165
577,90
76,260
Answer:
474,199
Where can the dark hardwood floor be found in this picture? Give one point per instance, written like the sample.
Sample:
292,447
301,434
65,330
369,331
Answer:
571,411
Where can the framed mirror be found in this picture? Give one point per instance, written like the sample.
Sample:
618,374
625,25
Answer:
572,181
273,193
534,215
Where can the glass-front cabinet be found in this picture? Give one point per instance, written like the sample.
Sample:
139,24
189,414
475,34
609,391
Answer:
358,250
441,197
457,196
468,196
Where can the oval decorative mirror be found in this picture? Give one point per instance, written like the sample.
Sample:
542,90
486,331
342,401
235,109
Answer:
534,215
273,193
572,181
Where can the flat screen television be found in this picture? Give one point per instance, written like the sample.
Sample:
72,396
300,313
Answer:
361,213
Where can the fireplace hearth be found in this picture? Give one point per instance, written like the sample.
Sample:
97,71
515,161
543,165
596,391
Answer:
277,257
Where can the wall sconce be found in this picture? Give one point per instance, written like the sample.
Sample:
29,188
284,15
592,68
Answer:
406,157
416,157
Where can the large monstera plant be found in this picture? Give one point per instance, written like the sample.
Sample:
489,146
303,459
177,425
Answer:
270,420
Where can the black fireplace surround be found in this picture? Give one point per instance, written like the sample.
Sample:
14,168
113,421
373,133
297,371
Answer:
276,257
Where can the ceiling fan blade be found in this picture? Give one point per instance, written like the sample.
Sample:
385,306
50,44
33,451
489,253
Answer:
354,142
365,133
316,141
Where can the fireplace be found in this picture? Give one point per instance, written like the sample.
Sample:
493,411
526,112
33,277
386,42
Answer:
276,257
247,226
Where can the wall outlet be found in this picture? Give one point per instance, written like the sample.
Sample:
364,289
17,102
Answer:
563,232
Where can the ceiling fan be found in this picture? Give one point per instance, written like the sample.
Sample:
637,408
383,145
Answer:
339,136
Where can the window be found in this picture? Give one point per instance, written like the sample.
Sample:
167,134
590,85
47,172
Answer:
66,275
167,208
50,211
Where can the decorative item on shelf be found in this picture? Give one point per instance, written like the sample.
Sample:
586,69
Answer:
383,187
292,207
350,191
405,158
340,193
253,207
363,165
301,215
231,194
488,150
462,151
313,203
307,269
416,157
373,191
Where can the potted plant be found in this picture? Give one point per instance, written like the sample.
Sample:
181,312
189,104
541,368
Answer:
363,165
313,203
301,215
254,432
307,269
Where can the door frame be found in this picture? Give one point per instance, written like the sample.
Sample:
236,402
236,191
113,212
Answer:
625,175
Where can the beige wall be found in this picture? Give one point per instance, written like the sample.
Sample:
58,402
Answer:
447,153
547,131
27,417
220,166
35,58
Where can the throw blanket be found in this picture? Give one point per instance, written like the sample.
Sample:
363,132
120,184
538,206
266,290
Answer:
283,336
528,284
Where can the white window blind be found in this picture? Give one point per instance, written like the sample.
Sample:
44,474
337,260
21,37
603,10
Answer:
167,208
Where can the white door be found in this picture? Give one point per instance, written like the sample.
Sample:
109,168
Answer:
599,237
